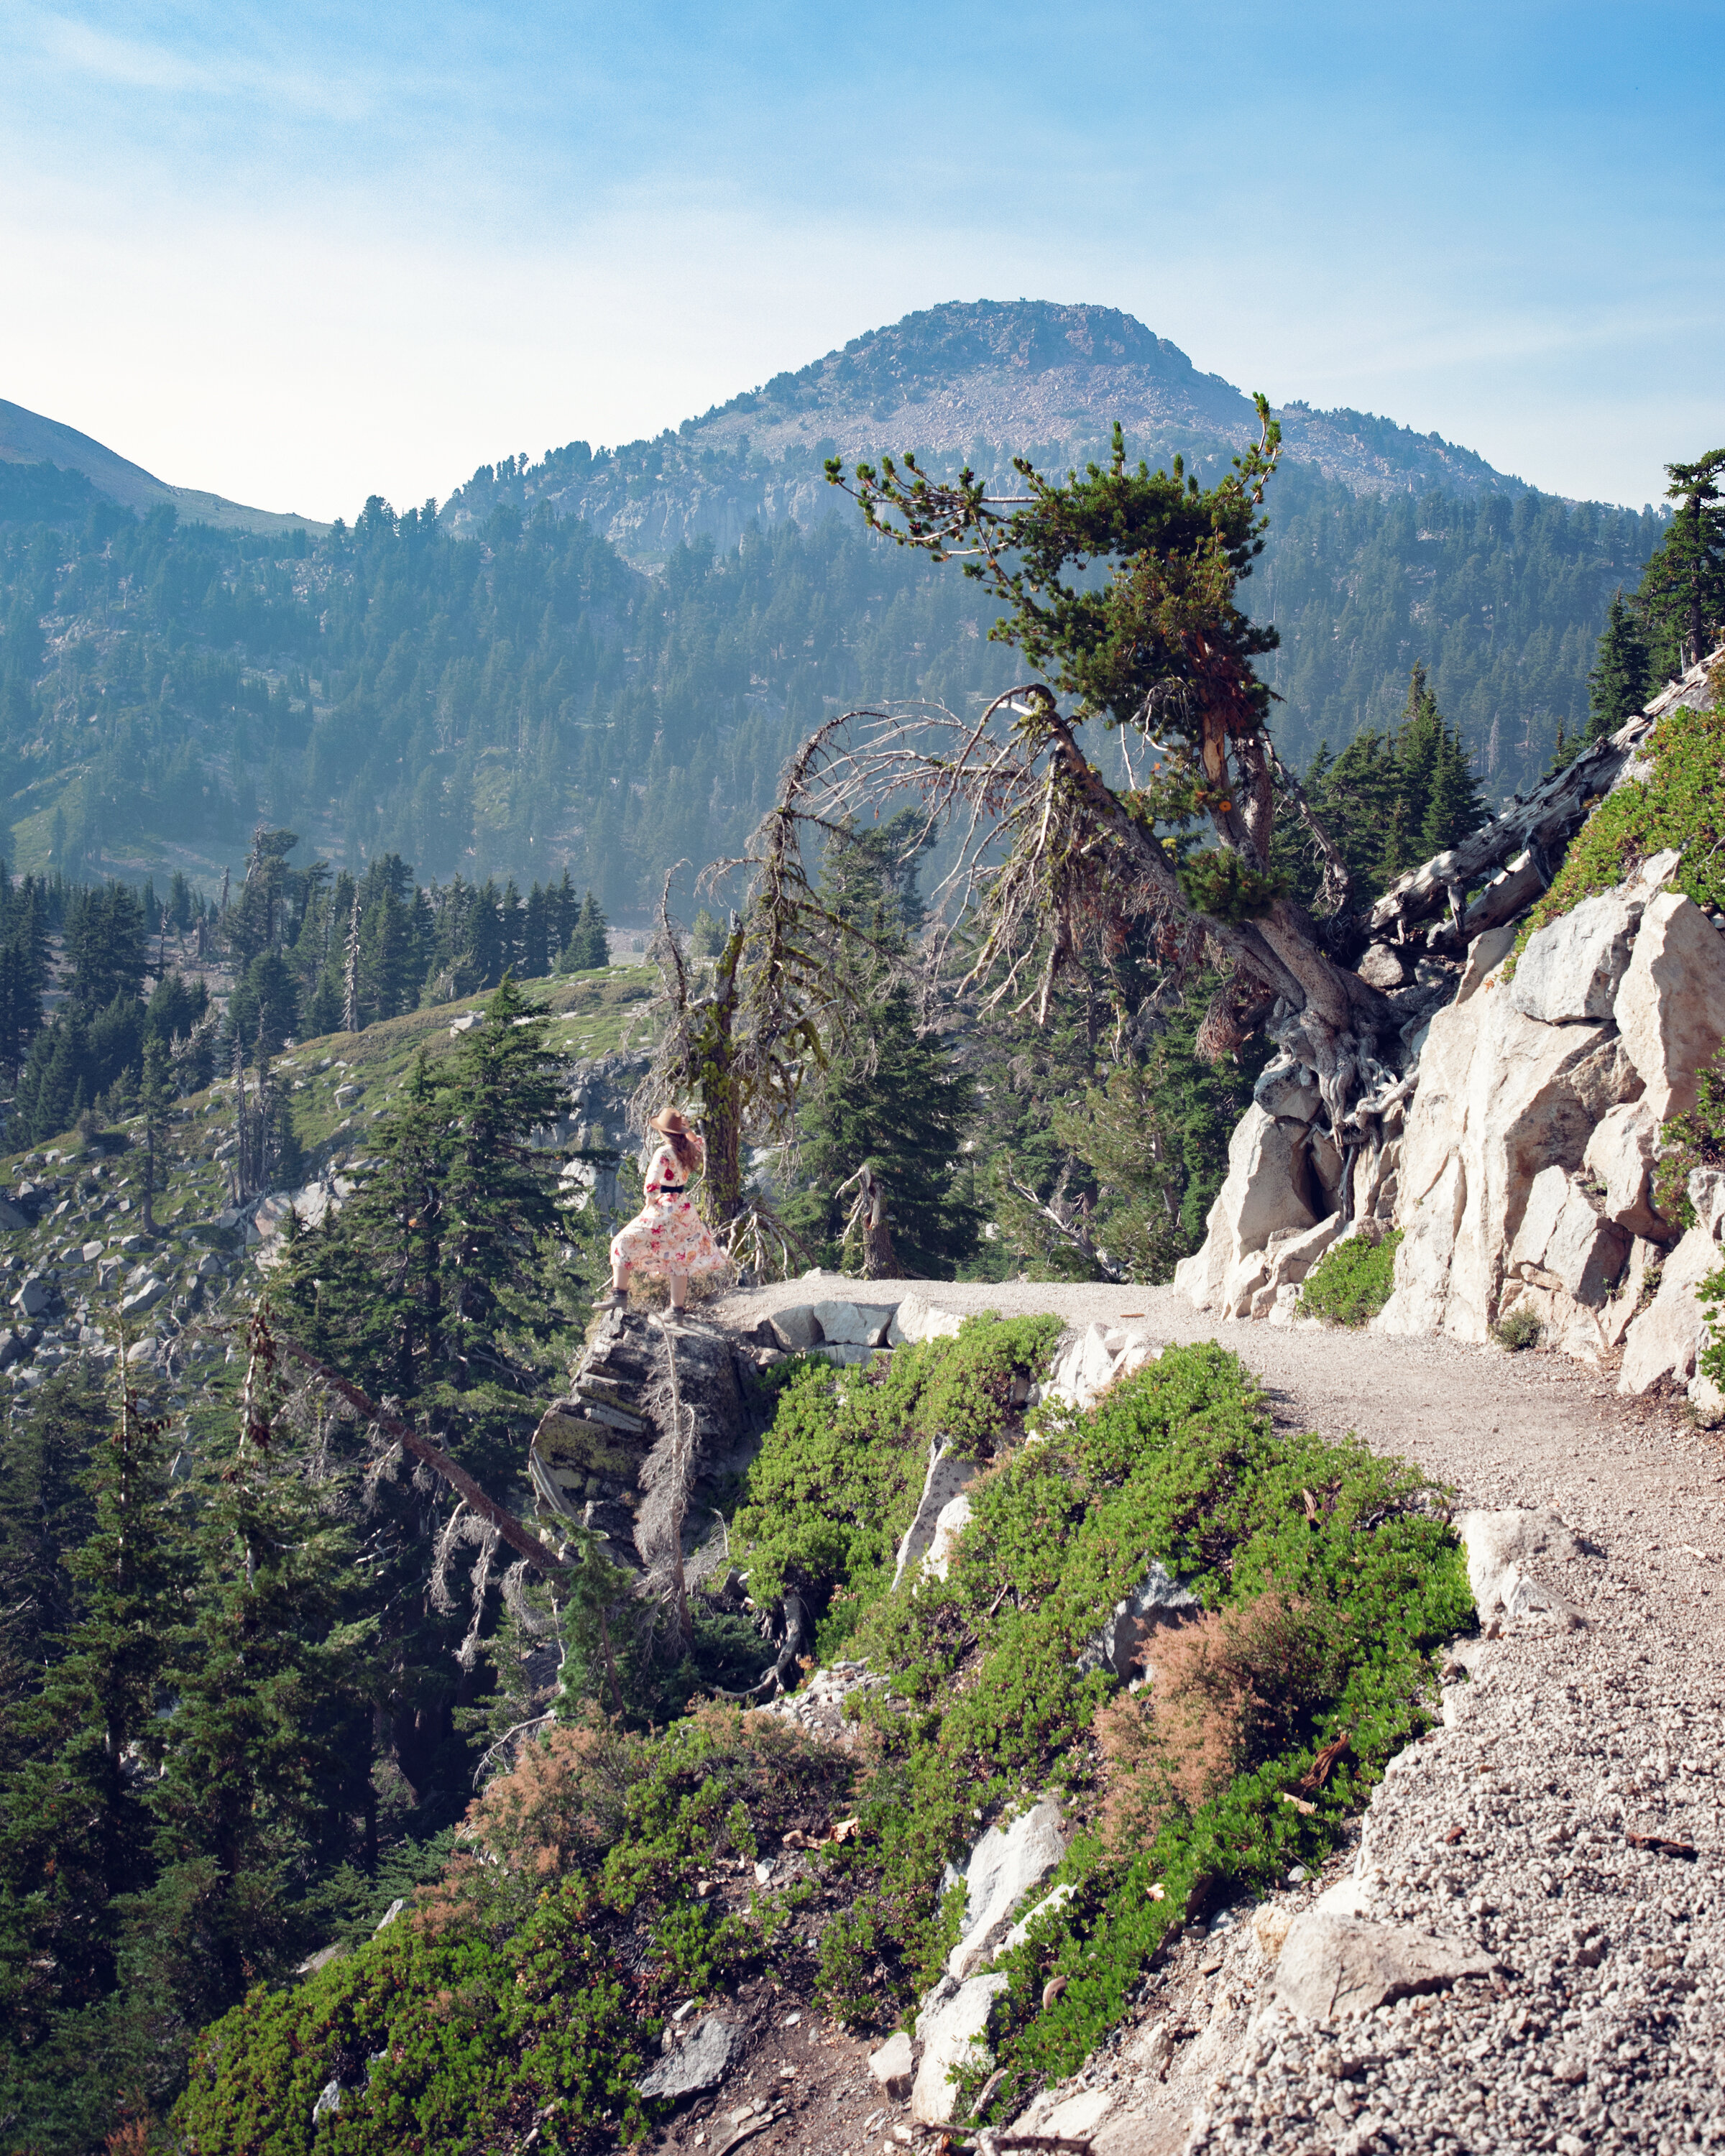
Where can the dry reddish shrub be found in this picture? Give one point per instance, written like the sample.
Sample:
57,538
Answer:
561,1803
1228,1692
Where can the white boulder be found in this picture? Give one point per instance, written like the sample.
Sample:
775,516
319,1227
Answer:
916,1318
953,2030
1264,1192
1092,1361
948,1472
1332,1967
949,1523
1670,1007
894,2065
1667,1338
1499,1547
1010,1861
1571,969
854,1324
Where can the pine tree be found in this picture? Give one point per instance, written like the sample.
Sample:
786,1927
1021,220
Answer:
75,1832
897,1104
1683,590
1622,679
269,1742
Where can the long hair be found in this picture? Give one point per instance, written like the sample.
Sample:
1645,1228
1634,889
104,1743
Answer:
688,1148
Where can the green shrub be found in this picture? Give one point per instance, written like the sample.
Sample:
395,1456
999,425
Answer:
1680,804
840,1475
536,1978
1520,1330
1351,1282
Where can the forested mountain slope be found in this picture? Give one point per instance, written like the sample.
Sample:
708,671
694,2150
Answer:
499,689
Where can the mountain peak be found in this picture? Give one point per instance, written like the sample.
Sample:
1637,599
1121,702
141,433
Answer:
979,380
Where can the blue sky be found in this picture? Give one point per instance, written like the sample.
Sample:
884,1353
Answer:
296,255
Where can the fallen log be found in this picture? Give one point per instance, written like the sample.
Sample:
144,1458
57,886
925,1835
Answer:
1539,828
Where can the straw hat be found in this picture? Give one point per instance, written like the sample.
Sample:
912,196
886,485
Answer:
674,1124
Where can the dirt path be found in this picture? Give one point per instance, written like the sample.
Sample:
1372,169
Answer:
1632,1477
1539,1821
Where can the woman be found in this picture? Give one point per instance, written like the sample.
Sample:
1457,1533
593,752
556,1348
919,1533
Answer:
667,1238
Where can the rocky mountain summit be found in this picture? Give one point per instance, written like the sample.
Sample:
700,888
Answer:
980,381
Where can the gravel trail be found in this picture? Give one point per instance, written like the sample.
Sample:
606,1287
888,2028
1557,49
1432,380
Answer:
1550,1820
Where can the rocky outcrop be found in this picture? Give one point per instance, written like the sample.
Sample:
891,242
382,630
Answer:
1502,1097
1671,1008
1521,1174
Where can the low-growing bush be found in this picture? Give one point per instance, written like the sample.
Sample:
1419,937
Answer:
837,1481
1680,804
1326,1577
534,1980
1519,1330
1351,1281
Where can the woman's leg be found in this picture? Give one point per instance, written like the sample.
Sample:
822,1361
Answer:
679,1290
619,1275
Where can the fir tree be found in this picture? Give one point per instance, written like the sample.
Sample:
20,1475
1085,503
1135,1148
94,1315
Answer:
897,1104
75,1832
1454,804
588,946
1683,590
1622,679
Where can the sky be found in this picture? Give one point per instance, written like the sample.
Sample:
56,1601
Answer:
296,255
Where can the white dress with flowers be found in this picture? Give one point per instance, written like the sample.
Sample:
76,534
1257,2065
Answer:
667,1236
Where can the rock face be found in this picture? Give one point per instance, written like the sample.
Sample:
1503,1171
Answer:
1671,1008
1335,1966
1502,1097
701,2063
1269,1191
951,2028
1007,1863
1571,969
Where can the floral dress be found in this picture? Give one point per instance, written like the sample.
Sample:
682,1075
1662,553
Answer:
667,1236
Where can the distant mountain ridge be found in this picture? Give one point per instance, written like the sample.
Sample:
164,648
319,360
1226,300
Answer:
979,380
28,439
